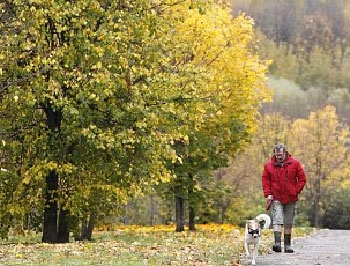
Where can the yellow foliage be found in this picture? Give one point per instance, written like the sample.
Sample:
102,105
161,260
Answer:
94,85
234,77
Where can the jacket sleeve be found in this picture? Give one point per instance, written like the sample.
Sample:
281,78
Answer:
266,182
301,178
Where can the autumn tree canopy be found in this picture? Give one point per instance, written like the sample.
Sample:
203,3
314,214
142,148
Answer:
95,95
232,87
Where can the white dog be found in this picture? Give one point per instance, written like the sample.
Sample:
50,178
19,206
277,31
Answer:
252,233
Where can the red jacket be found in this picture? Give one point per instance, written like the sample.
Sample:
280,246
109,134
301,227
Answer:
285,181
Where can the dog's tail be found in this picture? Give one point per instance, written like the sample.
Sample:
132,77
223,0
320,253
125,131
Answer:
265,218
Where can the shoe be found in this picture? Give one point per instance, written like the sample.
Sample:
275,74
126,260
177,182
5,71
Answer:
287,243
277,246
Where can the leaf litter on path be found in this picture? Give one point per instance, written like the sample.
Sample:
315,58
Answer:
217,245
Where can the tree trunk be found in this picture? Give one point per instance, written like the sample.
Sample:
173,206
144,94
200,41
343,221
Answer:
63,232
223,211
191,217
84,230
91,226
152,209
316,208
317,195
88,227
50,232
218,208
191,207
180,214
51,208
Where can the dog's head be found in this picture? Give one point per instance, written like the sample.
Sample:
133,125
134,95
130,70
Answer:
253,228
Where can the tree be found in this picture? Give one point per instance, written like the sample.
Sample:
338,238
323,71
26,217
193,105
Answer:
87,94
233,86
320,143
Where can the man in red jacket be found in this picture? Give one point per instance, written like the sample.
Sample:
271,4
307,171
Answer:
283,179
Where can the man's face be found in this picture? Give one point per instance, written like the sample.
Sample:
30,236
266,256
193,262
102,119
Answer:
280,156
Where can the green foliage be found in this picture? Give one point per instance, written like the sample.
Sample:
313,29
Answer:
82,100
100,93
232,84
302,219
242,209
337,213
293,102
289,99
307,42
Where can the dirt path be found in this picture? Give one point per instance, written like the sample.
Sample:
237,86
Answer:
324,248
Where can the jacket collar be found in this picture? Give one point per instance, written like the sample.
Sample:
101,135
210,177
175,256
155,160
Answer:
288,160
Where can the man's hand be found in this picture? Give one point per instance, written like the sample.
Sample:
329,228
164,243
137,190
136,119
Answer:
269,202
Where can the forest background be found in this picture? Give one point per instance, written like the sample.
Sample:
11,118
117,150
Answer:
308,43
89,137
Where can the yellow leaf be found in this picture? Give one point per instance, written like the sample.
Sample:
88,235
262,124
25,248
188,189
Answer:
26,180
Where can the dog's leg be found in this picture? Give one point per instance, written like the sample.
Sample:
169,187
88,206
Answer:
246,247
254,254
256,251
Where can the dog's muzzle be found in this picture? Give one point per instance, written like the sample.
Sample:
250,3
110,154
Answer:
255,233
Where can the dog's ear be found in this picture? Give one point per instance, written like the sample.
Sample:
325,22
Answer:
262,223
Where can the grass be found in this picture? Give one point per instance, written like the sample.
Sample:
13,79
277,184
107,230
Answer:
133,246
